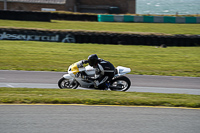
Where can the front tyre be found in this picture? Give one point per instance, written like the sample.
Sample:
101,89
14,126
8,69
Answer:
66,84
121,83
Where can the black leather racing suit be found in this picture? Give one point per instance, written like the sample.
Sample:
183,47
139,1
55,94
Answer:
104,71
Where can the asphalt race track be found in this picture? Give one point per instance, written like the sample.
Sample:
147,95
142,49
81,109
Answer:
139,83
97,119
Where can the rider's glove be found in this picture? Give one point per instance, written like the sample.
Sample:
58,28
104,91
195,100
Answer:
84,61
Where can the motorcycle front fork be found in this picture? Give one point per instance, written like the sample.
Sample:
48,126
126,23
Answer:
71,82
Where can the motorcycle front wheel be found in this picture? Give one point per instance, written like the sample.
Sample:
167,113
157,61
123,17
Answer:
120,84
66,84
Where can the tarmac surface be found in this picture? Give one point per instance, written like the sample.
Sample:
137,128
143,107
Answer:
139,83
97,119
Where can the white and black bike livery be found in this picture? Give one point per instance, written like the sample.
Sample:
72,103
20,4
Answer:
75,78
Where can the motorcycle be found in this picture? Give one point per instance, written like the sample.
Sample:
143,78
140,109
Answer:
75,78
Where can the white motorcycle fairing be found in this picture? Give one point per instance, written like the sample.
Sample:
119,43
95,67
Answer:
67,76
90,70
122,70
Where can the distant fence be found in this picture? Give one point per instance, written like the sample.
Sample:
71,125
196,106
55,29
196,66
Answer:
98,37
147,19
47,16
44,16
25,15
74,17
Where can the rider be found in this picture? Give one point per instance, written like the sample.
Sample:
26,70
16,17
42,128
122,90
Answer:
104,70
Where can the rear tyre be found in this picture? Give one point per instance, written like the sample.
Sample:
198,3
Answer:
120,84
66,84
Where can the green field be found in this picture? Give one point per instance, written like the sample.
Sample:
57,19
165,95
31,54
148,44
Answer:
95,97
106,26
144,60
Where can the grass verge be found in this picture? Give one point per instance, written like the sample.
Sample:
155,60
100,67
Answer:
95,97
165,28
143,60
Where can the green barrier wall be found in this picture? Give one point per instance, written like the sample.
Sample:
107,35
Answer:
147,19
106,18
169,19
191,19
128,18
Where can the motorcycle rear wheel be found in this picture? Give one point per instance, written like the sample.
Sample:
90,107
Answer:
65,84
121,83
